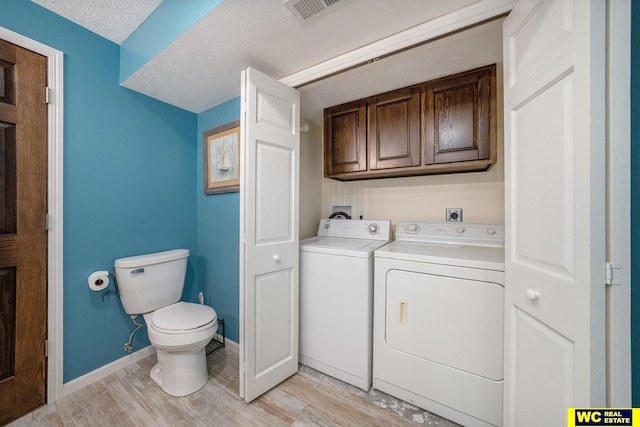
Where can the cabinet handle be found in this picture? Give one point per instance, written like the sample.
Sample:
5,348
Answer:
276,258
533,295
402,312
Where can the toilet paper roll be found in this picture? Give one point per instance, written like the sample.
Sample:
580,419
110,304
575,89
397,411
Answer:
98,280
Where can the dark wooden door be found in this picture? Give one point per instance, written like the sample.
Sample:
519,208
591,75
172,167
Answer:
459,112
345,134
394,129
23,235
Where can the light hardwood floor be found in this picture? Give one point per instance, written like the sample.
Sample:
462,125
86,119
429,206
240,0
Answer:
130,398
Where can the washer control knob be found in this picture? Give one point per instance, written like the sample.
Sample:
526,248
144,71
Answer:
491,231
460,230
533,295
327,226
373,228
412,229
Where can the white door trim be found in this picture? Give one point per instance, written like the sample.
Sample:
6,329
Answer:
55,153
455,21
618,202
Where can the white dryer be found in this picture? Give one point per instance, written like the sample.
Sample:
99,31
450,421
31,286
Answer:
336,298
438,319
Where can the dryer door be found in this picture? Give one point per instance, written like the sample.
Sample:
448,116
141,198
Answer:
452,321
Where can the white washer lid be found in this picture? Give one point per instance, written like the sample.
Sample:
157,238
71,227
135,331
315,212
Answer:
359,248
183,316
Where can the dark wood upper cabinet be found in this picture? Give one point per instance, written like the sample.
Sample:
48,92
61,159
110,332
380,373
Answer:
446,125
394,129
459,117
345,138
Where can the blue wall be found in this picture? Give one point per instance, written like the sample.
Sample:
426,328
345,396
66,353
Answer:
635,202
218,231
128,182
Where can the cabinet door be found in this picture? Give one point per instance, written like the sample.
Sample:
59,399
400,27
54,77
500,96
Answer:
460,117
345,138
394,129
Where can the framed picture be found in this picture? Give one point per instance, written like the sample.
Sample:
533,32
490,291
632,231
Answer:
222,159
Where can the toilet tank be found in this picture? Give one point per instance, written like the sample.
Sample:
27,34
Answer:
152,281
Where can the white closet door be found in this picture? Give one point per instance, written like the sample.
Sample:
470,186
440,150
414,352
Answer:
554,56
270,124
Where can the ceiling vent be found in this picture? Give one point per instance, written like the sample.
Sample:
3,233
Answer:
306,11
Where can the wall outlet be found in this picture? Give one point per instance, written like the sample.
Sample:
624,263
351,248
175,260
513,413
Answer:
454,214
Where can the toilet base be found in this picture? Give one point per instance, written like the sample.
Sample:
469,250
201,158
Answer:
180,373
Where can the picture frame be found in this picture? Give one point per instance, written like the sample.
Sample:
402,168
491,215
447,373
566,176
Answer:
222,159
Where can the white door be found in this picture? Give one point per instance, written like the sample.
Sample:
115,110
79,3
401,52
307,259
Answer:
270,124
555,219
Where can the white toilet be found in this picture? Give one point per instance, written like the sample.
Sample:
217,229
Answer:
152,285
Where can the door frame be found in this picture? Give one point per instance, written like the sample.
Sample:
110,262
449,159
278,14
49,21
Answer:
618,95
618,138
55,67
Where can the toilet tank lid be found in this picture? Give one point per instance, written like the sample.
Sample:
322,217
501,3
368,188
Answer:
150,259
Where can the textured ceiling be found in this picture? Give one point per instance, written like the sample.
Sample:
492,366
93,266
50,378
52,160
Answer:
201,68
114,20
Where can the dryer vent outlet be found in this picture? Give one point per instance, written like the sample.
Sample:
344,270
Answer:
454,214
306,11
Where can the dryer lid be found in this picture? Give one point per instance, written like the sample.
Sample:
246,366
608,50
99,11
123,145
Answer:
183,316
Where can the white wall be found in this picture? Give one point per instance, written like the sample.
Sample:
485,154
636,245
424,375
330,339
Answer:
310,179
480,195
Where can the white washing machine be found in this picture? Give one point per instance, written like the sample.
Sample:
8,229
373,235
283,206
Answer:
438,319
336,298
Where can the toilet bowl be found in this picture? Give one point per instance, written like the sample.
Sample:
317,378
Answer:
180,333
152,285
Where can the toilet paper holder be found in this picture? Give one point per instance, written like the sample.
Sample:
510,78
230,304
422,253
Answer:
115,291
97,281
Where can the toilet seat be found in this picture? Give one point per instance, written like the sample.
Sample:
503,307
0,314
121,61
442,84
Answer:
183,317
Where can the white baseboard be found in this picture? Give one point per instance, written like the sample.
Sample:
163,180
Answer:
98,374
229,345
